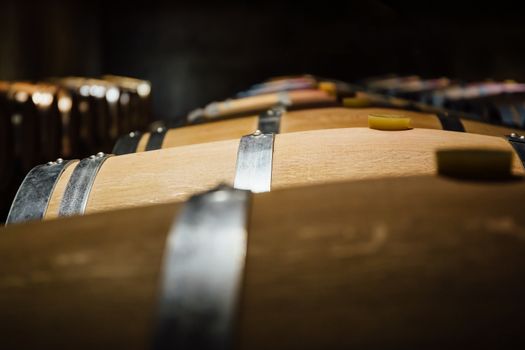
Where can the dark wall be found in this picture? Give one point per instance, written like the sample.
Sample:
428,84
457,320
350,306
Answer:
48,38
198,52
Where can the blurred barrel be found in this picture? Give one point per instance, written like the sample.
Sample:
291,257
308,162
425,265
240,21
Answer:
258,103
405,263
293,121
93,113
294,159
491,101
102,109
278,84
134,103
36,123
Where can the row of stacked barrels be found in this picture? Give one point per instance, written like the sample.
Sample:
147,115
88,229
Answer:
501,102
290,216
64,118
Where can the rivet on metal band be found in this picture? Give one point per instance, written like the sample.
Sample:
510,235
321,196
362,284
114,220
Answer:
202,272
156,138
79,186
254,162
33,196
270,120
518,143
450,123
127,143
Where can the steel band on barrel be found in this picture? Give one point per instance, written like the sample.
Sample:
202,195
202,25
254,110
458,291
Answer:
254,162
77,191
127,143
450,123
32,199
156,138
518,143
270,120
202,272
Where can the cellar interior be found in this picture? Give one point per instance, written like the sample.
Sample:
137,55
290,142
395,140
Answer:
261,175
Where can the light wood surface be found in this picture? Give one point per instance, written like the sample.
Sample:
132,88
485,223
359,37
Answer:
209,132
332,118
261,102
160,176
404,263
301,158
143,142
305,120
487,129
396,264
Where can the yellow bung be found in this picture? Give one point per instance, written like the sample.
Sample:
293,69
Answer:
328,87
388,122
482,164
356,102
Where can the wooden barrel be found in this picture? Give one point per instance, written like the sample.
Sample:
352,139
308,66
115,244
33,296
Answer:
134,103
405,263
292,121
36,124
294,159
99,110
252,104
281,84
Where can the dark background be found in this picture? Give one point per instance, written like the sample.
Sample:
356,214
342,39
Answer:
196,52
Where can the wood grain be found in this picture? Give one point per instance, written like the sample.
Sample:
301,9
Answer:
265,101
332,118
395,264
487,129
399,263
210,132
301,158
358,153
305,120
143,142
67,285
292,121
161,176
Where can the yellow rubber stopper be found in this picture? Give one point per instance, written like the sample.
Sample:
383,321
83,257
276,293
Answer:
328,87
388,122
475,164
356,102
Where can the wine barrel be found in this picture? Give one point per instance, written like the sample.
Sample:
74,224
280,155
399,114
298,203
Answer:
254,104
259,162
281,84
490,101
36,123
135,101
404,263
292,121
99,110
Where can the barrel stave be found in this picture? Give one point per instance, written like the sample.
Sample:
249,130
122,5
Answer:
420,261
